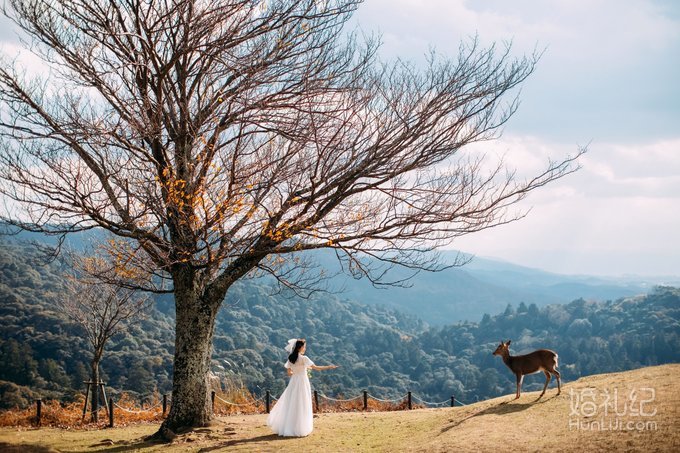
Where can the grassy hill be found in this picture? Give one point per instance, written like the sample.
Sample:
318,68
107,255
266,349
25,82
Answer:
557,423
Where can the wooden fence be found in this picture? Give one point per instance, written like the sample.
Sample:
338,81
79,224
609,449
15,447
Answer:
268,401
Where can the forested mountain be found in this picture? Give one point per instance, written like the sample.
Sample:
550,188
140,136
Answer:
378,349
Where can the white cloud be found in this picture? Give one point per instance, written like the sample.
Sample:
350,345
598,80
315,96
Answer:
24,58
610,68
619,214
584,31
609,76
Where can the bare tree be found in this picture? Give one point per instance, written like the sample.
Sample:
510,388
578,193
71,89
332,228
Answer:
102,310
217,138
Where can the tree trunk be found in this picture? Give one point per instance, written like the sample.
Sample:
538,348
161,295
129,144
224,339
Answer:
191,405
94,377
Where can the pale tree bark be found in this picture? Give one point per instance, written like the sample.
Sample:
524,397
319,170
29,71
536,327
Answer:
218,140
94,387
193,347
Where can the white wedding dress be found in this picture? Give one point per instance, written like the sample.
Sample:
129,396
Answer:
292,413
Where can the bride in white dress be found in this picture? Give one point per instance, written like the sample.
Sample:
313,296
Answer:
292,413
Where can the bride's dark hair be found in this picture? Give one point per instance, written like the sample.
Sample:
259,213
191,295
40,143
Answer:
296,350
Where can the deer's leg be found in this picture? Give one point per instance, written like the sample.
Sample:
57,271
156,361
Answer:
520,378
547,381
557,376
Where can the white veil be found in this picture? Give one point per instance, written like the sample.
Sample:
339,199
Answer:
291,345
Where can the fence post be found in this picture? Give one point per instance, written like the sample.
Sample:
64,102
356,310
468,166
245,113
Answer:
212,399
266,401
409,400
87,397
111,412
316,400
38,411
453,400
365,400
165,403
101,387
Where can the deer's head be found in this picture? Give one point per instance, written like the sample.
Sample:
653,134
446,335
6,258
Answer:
503,348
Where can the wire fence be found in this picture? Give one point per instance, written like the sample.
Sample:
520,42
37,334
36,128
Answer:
140,411
339,400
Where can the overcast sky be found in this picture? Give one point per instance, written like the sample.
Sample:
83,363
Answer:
610,78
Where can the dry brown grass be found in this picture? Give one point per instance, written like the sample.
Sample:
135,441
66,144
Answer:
70,415
501,424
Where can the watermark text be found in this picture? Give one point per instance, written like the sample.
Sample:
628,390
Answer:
610,409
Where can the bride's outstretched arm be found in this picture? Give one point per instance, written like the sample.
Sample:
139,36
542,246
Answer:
321,368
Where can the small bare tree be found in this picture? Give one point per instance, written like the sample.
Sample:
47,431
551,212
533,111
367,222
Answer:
102,310
217,138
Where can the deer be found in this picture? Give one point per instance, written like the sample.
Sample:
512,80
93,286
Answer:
540,360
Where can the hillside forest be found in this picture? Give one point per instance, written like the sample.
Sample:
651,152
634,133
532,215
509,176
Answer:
43,353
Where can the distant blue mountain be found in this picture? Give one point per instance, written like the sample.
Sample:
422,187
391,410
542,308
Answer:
460,293
487,286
